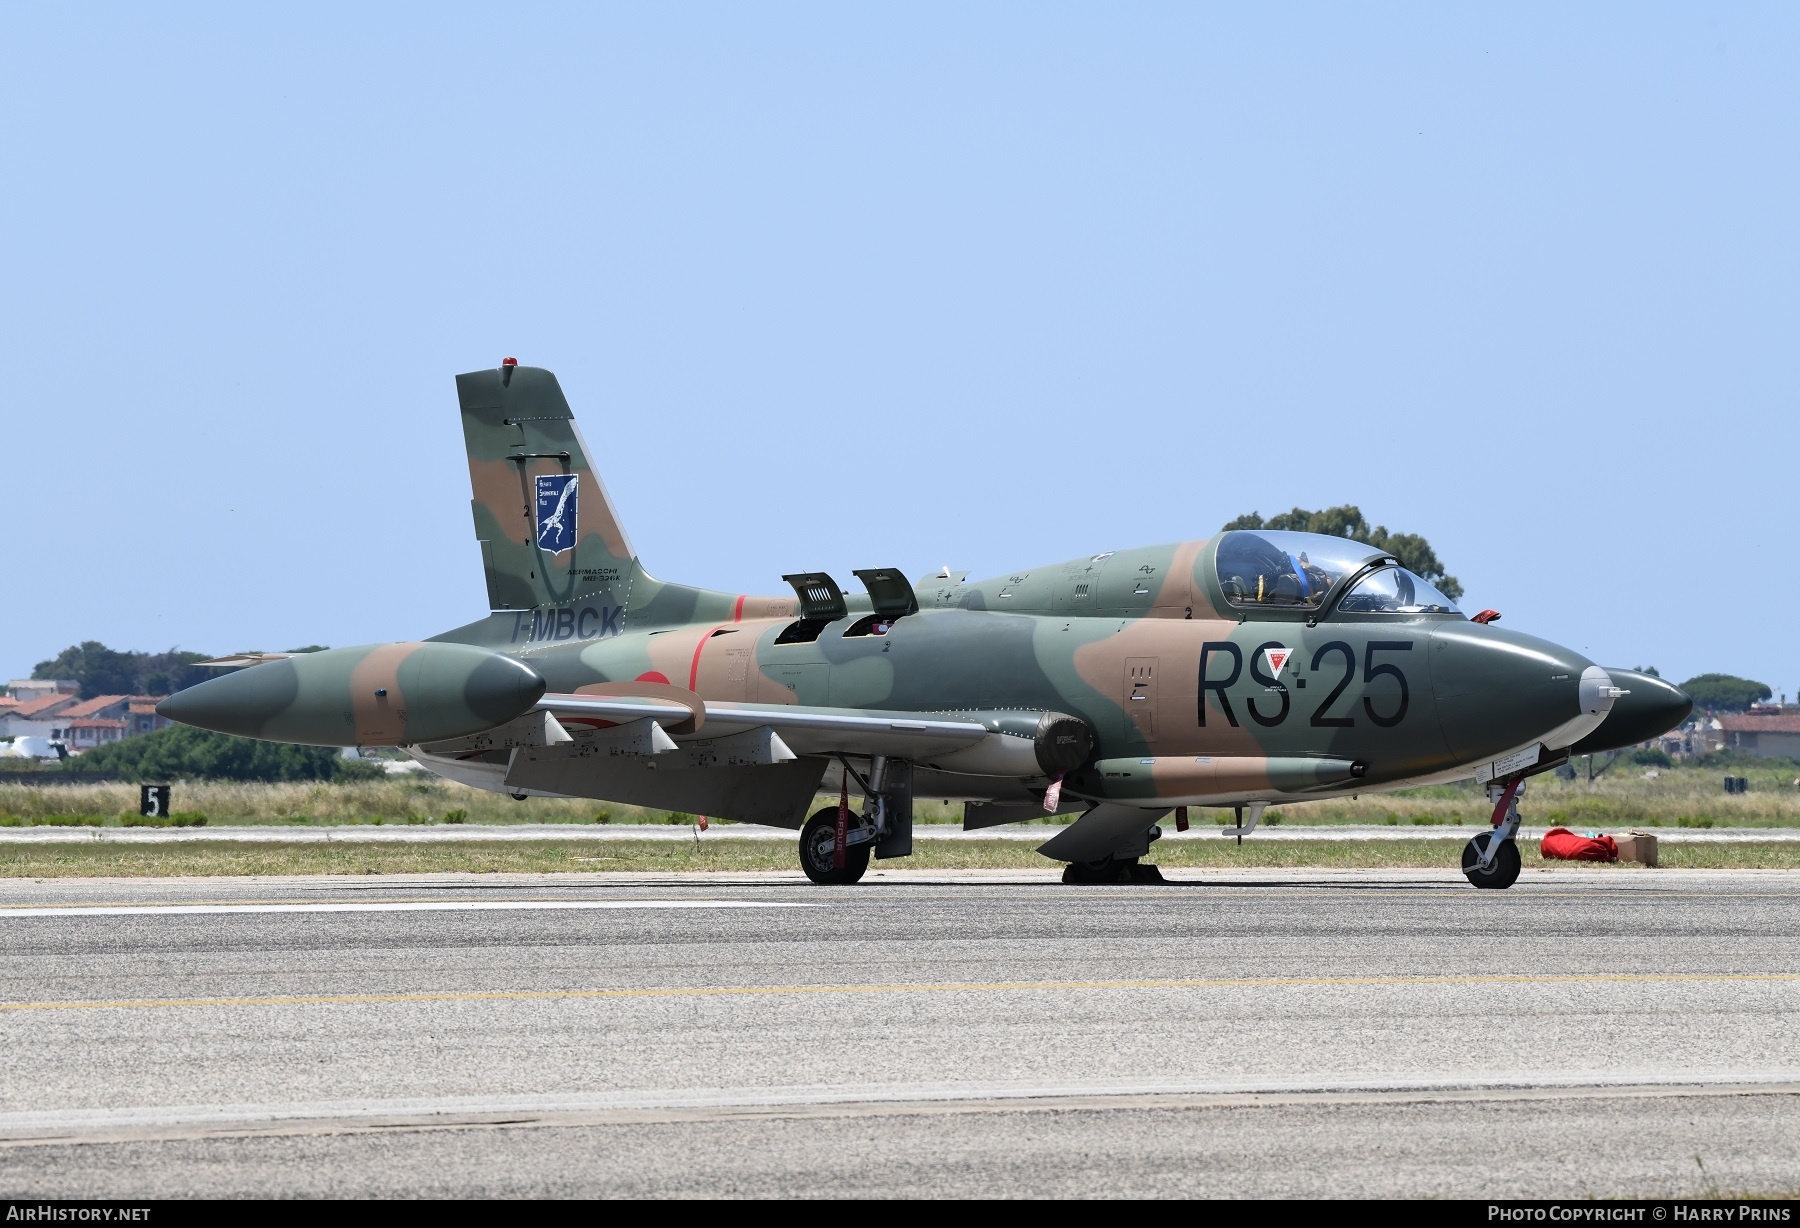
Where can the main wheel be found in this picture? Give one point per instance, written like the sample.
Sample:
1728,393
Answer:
1104,872
1499,876
818,844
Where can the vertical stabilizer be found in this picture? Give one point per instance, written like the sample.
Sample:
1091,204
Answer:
548,532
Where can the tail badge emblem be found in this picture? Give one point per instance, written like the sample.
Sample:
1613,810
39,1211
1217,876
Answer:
556,495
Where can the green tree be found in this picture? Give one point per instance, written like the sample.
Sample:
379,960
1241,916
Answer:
103,671
1725,692
1414,552
164,673
184,753
98,669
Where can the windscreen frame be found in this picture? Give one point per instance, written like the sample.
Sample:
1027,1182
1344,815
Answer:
1381,564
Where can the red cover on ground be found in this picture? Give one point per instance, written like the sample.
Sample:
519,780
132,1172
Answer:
1561,844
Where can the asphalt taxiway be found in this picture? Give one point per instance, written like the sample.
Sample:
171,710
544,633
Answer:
1275,1033
364,833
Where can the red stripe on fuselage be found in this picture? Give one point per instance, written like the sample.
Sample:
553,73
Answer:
694,669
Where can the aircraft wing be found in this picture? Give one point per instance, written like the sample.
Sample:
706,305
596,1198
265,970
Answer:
238,660
805,730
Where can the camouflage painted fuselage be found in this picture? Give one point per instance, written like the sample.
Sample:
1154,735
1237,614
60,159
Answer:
1279,674
1120,640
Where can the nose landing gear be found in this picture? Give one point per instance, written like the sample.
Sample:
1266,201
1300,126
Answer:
1491,860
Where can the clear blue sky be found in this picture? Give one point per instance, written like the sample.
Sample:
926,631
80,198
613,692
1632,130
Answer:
843,286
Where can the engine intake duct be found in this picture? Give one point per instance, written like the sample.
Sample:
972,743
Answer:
1022,744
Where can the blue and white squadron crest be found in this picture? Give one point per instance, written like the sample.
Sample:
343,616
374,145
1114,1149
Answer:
556,496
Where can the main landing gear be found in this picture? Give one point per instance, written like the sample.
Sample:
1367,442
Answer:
835,844
1109,870
1491,860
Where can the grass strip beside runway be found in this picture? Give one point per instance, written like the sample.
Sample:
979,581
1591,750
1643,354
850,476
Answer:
88,859
1618,798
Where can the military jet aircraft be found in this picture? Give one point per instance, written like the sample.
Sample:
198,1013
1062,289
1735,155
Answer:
1251,669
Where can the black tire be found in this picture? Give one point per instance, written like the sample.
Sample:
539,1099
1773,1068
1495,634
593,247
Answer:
1106,872
818,843
1499,876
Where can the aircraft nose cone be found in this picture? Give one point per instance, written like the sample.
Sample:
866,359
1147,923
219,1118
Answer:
1652,707
1497,690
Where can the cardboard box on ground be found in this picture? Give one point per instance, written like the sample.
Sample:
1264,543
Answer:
1638,846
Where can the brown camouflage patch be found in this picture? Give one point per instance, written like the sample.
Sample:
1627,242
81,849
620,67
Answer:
1211,776
1165,654
376,699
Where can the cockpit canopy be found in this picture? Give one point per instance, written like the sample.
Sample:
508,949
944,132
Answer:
1395,590
1277,570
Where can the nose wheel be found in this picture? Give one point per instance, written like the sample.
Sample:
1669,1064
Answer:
1502,870
1491,860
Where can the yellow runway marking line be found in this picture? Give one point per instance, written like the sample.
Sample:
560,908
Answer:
725,991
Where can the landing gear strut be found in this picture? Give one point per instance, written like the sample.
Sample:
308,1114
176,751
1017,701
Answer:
1491,860
835,844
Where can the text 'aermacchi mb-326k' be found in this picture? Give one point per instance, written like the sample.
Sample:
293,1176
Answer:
1248,670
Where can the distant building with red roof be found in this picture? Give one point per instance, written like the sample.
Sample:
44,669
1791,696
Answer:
37,717
88,733
1771,731
36,688
101,707
141,717
81,723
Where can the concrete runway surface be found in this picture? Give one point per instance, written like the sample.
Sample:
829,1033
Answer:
355,833
1310,1033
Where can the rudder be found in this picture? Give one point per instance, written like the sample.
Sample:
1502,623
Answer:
548,532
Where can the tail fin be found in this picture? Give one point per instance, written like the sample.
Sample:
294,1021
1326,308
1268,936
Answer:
548,532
